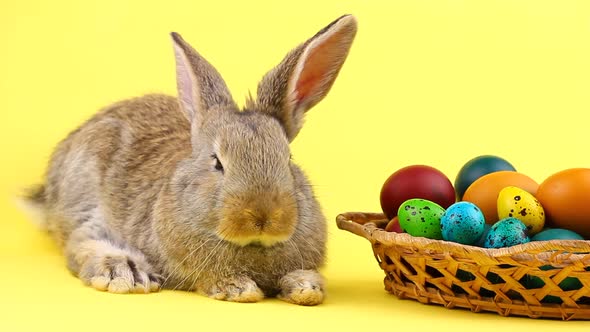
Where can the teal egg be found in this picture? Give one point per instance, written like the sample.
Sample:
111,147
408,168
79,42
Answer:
476,168
506,233
556,234
464,275
421,217
463,222
567,284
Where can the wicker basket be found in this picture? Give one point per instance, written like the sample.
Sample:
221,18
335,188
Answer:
522,280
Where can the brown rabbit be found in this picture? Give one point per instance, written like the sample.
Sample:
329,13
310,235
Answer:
192,193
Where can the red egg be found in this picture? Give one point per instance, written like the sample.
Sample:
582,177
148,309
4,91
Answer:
565,196
416,181
394,226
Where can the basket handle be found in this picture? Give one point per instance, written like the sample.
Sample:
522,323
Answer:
356,222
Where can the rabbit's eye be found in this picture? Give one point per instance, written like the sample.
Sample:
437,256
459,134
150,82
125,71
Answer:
218,165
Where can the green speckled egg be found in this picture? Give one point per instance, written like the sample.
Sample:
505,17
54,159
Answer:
421,217
506,233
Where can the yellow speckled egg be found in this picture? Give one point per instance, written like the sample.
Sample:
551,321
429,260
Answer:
517,203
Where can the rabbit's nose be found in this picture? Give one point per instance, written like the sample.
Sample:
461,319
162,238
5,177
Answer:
260,223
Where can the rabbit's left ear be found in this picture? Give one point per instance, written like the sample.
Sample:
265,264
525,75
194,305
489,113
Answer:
305,75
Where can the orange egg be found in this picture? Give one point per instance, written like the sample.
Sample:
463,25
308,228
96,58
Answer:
565,196
484,191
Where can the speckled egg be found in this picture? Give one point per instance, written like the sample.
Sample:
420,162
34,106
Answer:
506,233
421,217
517,203
463,222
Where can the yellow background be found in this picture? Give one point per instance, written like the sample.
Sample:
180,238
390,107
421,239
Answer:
426,82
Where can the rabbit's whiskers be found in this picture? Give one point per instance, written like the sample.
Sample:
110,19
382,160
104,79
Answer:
200,268
183,260
294,245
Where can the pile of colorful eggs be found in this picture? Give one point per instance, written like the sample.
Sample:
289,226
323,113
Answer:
490,205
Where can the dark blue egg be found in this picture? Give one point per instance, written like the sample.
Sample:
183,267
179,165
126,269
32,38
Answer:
476,168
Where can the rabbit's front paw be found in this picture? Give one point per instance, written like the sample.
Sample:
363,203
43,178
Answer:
303,287
236,289
120,274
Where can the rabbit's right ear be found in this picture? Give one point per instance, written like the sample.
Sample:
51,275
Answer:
200,87
305,75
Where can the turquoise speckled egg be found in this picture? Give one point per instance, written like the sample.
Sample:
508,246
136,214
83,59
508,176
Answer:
506,233
421,217
463,222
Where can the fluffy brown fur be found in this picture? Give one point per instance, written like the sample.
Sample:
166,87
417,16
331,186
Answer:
190,192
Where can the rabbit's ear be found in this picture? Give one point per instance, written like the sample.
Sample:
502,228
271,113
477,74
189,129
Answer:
305,75
200,87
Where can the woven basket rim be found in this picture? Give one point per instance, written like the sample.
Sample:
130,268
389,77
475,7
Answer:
350,221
